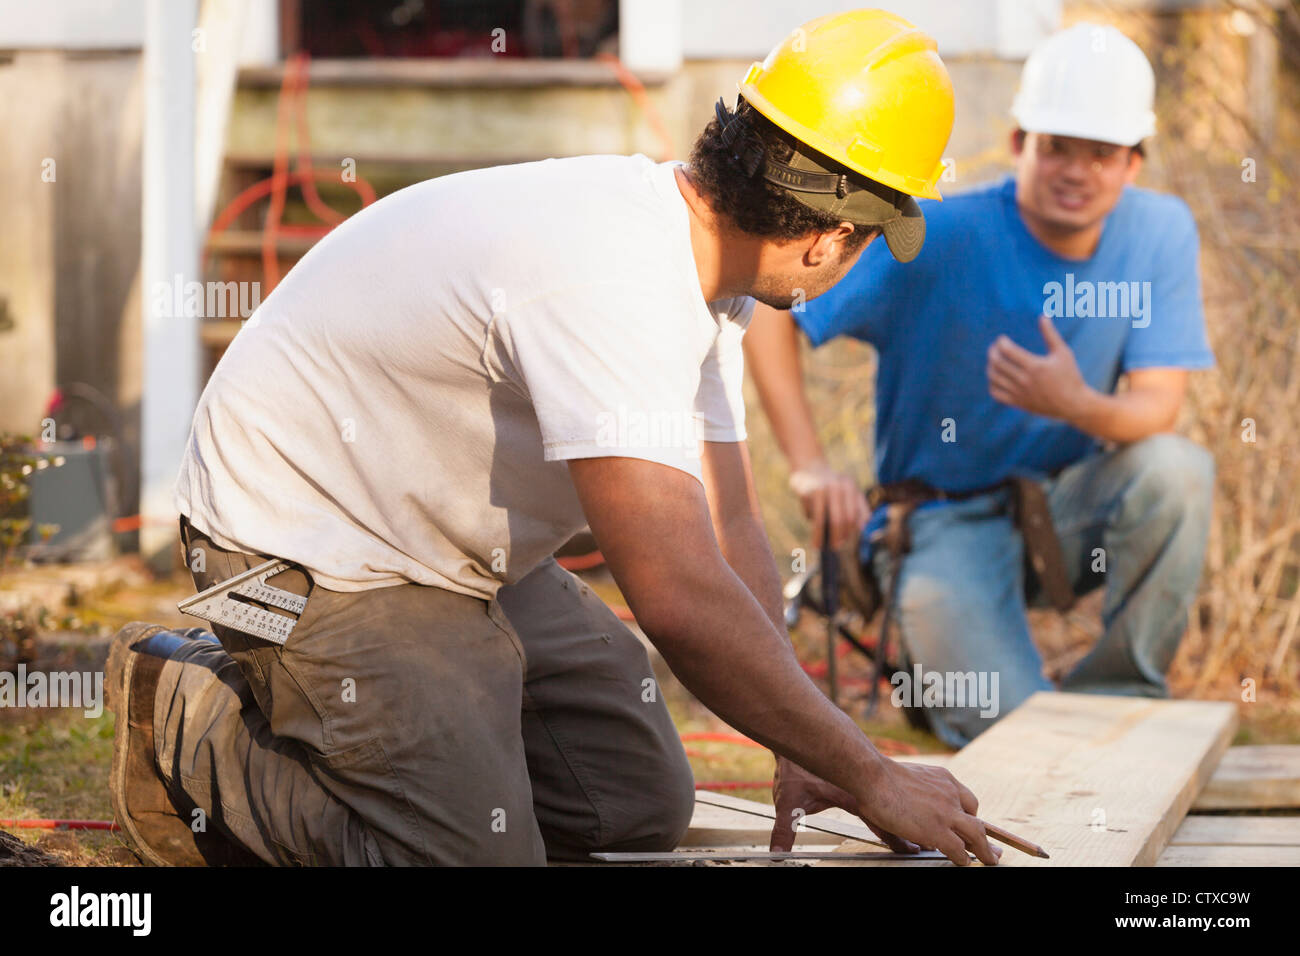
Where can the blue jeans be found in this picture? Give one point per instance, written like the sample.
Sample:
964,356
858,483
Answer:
1134,520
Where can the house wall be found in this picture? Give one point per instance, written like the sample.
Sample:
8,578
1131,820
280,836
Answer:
69,230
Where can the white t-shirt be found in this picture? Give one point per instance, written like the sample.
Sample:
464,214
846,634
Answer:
401,407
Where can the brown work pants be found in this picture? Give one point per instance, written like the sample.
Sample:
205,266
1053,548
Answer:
413,725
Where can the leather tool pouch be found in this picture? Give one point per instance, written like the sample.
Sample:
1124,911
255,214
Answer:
859,590
1033,518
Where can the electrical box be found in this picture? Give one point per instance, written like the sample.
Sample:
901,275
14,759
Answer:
79,497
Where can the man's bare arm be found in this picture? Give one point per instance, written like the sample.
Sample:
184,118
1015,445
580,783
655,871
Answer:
1150,405
772,356
654,528
738,524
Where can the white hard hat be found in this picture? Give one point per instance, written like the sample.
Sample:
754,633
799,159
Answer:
1089,81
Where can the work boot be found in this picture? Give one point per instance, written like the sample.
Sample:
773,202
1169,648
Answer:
155,819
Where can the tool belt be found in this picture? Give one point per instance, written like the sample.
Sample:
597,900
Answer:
1032,518
1030,513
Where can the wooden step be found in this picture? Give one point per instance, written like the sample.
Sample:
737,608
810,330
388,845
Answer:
249,243
463,72
265,160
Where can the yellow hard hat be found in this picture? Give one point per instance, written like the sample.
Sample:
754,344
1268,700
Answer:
864,88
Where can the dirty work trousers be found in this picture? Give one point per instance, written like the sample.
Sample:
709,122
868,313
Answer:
411,725
1134,521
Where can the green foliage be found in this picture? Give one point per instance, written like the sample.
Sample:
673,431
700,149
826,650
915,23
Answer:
18,462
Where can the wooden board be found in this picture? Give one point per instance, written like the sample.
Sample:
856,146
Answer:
721,827
1096,780
934,760
1256,778
1216,840
1200,830
1247,778
1230,856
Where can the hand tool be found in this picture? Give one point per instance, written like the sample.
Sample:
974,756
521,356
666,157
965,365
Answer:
238,603
830,565
758,856
855,831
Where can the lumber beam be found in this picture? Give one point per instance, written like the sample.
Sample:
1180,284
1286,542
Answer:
1096,780
1254,778
1206,830
1248,778
1230,856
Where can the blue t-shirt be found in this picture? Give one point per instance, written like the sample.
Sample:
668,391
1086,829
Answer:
1136,303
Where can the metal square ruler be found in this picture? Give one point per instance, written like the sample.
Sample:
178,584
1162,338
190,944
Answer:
246,603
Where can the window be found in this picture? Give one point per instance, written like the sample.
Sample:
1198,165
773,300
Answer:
571,29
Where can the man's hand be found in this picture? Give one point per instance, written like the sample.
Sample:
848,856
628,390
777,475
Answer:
826,493
1049,385
797,794
912,807
772,357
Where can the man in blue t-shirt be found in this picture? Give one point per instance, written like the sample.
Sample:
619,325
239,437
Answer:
1000,351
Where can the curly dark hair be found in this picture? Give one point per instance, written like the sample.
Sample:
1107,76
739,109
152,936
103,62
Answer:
754,205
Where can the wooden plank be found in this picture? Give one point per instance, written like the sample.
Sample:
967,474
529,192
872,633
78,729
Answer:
1247,778
722,811
1230,856
264,160
1254,778
475,72
933,760
713,826
1096,780
1198,830
249,243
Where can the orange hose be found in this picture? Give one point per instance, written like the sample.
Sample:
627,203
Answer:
581,562
279,179
291,107
314,202
59,824
642,99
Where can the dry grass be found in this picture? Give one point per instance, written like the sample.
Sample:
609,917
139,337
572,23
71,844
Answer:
1217,121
